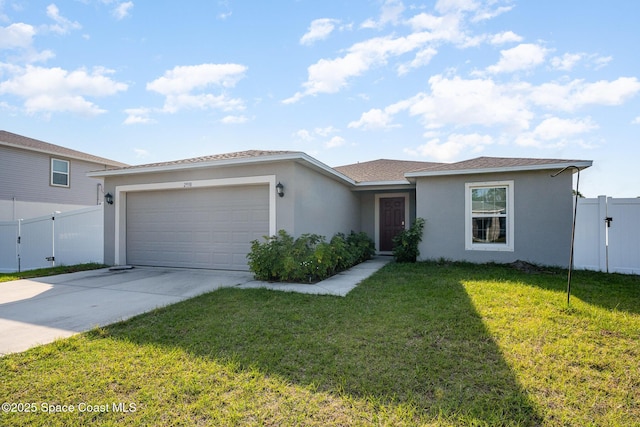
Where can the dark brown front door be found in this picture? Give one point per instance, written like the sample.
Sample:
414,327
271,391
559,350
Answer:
391,221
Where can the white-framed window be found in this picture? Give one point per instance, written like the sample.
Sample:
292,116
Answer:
59,173
489,216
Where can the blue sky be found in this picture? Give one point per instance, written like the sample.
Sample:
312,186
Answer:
344,81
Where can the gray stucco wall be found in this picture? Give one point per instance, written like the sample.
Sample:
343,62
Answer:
543,213
322,205
313,202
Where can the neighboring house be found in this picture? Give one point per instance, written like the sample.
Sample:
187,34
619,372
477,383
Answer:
204,212
38,178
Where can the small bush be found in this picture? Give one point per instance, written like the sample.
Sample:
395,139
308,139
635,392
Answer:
405,244
308,258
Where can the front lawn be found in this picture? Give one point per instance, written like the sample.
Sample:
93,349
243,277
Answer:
424,344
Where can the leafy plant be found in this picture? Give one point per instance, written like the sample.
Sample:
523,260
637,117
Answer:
307,258
405,244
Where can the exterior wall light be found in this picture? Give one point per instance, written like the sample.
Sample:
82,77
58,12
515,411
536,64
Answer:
108,198
280,189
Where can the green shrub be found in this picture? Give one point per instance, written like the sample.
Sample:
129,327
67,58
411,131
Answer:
405,244
308,258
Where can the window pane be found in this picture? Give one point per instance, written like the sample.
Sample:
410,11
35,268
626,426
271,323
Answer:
489,229
60,179
489,201
60,166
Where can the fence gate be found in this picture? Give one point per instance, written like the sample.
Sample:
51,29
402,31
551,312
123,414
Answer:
608,235
66,238
624,235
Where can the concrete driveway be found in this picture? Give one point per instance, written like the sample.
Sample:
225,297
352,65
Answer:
37,311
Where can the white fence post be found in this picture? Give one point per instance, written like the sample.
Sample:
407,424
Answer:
9,232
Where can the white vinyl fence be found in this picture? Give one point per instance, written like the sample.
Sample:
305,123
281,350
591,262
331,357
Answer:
67,238
608,235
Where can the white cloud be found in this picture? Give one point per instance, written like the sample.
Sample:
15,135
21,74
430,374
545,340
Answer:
448,6
601,61
334,142
16,36
460,102
62,25
304,135
566,62
505,37
321,133
325,131
422,58
372,120
390,13
319,29
577,93
556,132
179,84
332,75
183,79
522,57
554,128
636,121
123,10
487,13
446,28
450,149
234,120
58,90
138,116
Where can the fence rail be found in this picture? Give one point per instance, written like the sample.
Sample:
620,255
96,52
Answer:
66,238
608,235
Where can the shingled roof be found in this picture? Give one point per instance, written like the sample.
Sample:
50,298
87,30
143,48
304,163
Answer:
237,155
18,141
382,170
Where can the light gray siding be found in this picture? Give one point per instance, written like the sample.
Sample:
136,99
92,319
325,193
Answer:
25,177
543,213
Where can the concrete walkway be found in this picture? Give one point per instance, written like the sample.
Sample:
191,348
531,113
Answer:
38,311
340,284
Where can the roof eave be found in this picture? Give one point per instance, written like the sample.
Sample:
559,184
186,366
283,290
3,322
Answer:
549,166
296,156
383,185
95,160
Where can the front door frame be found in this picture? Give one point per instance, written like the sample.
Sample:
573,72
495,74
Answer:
407,215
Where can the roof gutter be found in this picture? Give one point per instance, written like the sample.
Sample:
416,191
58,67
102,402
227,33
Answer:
418,174
383,185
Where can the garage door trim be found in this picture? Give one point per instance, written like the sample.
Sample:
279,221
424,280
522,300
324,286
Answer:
120,255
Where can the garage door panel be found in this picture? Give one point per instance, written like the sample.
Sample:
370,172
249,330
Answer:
197,228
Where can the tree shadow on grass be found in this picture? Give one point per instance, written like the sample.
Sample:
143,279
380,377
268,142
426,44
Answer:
611,291
402,337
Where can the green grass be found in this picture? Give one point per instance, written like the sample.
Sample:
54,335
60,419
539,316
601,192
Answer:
51,271
440,344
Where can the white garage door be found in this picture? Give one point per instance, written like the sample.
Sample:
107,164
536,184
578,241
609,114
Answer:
196,228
